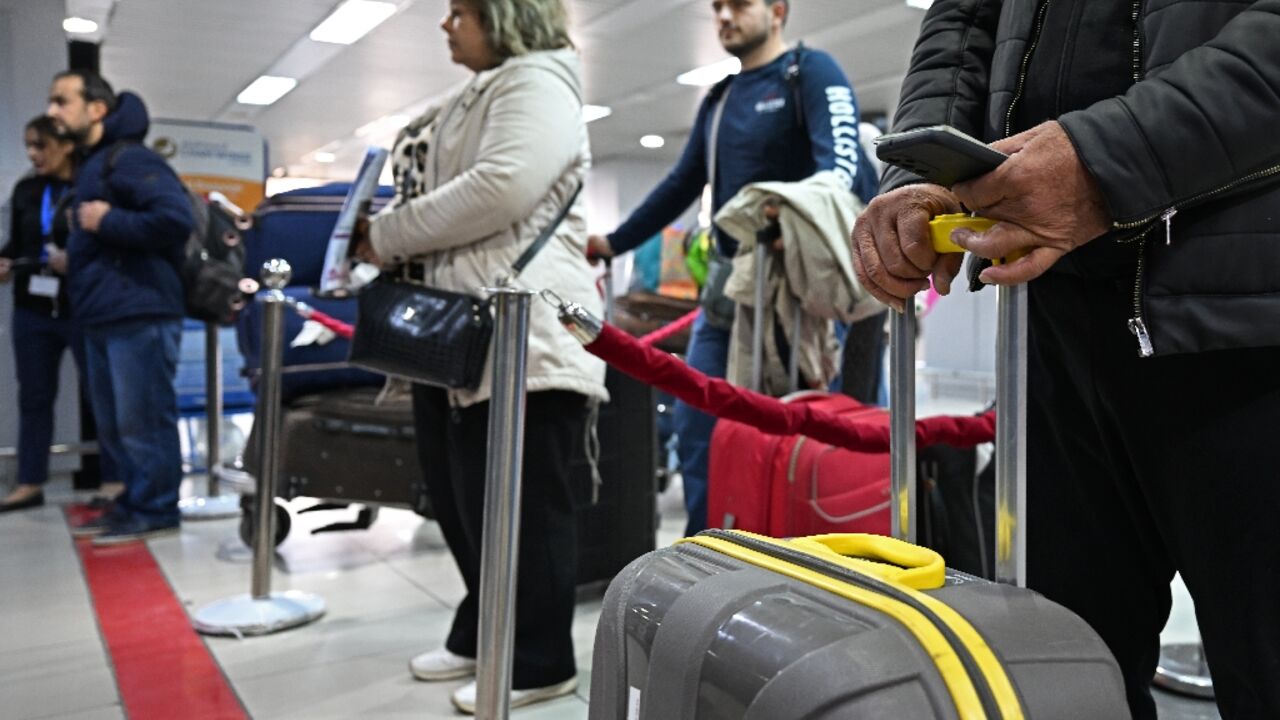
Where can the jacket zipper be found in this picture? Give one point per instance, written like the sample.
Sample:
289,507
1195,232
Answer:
1137,325
1022,70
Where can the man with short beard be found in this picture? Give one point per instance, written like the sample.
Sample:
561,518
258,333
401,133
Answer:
754,129
131,222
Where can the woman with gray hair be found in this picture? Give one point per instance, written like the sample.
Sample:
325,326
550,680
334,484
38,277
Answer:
478,176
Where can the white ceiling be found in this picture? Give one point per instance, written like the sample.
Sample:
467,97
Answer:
190,58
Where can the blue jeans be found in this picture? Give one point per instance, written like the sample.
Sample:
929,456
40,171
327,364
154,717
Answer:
708,353
131,369
39,340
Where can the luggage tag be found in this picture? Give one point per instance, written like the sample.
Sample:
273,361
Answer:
44,286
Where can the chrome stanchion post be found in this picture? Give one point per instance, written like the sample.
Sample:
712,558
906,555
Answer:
275,276
213,504
213,405
263,611
902,423
501,539
1011,436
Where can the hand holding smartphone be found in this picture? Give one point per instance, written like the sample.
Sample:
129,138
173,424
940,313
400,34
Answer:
939,153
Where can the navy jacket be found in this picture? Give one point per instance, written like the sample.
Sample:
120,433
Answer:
129,268
763,137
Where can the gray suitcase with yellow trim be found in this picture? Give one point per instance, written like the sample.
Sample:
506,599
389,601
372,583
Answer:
731,625
691,631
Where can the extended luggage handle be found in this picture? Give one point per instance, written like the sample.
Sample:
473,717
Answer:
1011,403
764,243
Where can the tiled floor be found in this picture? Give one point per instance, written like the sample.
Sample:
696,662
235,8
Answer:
389,592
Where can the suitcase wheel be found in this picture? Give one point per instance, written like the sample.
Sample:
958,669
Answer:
248,520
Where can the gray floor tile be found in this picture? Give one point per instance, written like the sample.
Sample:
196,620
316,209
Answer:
361,688
108,712
399,635
37,680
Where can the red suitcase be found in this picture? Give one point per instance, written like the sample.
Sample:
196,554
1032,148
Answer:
791,486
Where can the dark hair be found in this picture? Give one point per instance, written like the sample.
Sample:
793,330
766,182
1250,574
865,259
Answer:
787,14
94,87
45,127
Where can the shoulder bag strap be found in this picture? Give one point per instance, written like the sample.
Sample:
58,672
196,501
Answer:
527,256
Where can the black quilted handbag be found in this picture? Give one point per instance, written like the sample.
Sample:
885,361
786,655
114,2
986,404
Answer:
431,336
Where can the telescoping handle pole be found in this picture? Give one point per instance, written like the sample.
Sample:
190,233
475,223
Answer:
608,290
1011,413
764,243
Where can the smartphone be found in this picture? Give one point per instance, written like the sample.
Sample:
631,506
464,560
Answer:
940,154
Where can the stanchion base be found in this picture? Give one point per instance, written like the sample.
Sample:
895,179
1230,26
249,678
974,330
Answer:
243,615
220,507
1183,670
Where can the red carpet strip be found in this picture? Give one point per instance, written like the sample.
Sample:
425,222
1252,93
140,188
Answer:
162,667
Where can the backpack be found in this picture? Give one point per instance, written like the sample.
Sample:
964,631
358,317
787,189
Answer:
212,259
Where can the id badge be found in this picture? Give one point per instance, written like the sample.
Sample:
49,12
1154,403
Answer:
44,286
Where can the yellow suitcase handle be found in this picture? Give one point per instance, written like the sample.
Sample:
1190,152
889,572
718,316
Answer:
887,558
940,228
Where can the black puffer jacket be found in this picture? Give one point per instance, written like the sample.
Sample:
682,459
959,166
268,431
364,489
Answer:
1197,136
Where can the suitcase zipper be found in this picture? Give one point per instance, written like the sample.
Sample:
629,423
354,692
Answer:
979,680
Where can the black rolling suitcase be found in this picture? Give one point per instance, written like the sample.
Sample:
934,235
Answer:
620,525
731,625
343,447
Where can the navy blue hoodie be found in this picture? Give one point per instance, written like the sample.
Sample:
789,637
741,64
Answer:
129,268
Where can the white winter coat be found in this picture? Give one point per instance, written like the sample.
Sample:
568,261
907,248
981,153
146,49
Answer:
496,161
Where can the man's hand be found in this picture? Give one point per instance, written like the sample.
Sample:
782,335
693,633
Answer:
892,254
91,213
1046,201
771,213
6,269
58,261
598,247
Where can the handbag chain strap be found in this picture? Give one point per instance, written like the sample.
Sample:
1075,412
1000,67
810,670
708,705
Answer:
527,256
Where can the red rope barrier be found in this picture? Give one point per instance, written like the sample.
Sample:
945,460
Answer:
724,400
668,330
639,359
341,329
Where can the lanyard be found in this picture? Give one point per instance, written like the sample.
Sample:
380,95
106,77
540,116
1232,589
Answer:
48,209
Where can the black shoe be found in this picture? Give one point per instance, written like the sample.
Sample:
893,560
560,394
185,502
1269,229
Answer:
134,530
31,501
98,525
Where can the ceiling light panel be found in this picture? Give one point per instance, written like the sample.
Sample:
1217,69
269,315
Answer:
266,90
591,113
79,26
351,21
711,74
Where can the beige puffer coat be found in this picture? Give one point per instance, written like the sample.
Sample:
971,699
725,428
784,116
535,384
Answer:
490,166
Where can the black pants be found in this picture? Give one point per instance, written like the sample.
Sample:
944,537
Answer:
862,358
1138,468
453,448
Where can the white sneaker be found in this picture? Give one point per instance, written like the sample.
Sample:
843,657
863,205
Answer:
441,665
464,698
